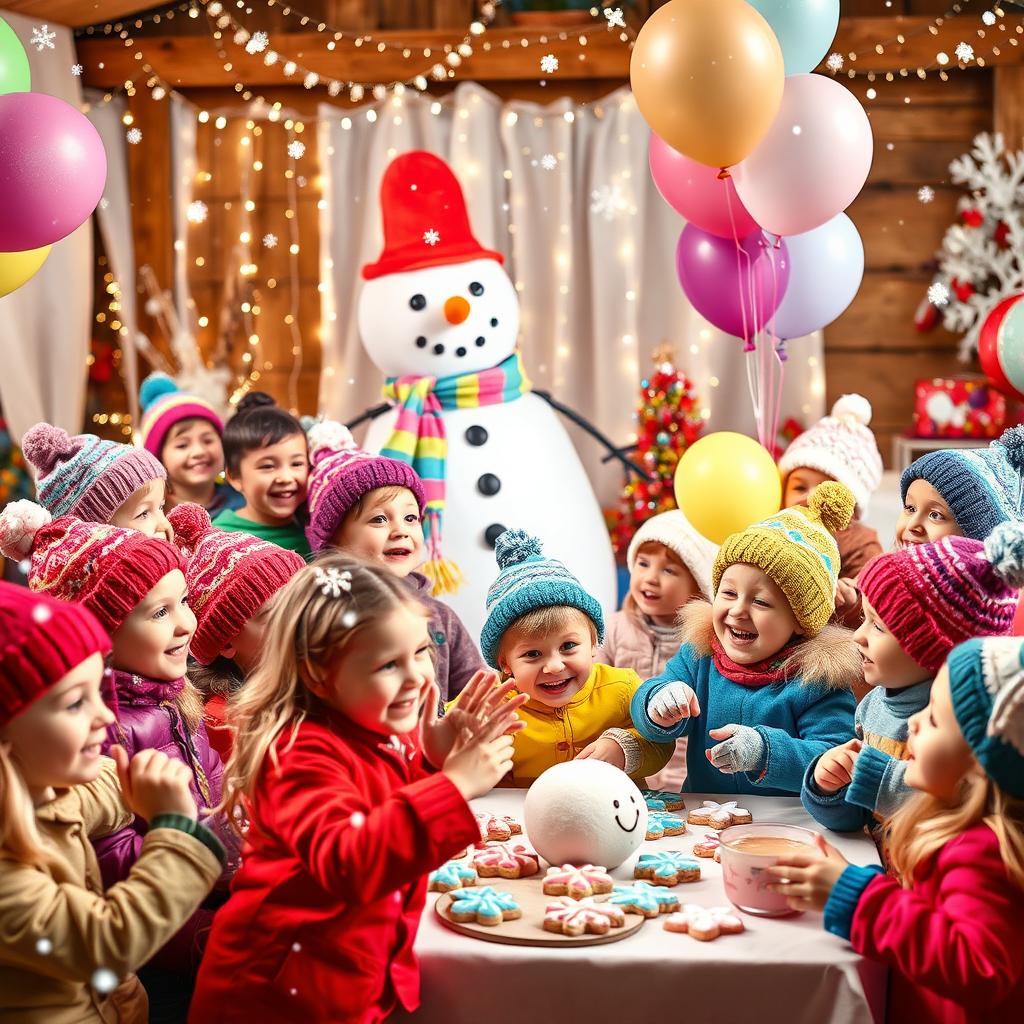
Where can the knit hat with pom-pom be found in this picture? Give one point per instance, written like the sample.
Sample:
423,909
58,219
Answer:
230,576
797,549
105,568
932,597
85,475
163,405
341,473
528,581
981,486
843,447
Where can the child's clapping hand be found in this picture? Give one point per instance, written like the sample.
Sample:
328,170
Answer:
672,703
835,767
807,879
152,784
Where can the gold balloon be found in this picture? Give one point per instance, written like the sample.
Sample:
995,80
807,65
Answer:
707,76
17,267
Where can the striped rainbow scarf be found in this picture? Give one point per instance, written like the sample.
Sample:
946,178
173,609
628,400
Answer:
419,438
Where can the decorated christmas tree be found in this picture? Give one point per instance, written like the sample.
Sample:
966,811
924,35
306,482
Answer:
668,420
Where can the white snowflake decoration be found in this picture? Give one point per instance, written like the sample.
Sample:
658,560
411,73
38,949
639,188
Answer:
76,69
296,149
197,211
834,63
549,64
549,161
988,18
333,582
42,38
615,17
964,52
134,136
607,201
926,193
258,42
104,203
269,240
938,294
431,236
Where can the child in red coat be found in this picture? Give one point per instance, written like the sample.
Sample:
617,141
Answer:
951,923
336,735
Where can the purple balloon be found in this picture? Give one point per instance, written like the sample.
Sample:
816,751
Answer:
52,170
736,291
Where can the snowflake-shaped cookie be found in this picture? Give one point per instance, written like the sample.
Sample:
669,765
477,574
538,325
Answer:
667,868
709,846
704,923
574,917
452,875
716,815
499,830
660,824
509,860
577,883
485,906
644,898
663,800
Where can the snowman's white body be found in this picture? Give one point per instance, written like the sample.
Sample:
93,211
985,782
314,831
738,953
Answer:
543,486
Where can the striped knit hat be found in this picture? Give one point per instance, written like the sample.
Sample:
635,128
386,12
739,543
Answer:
528,581
932,597
230,576
85,475
341,474
163,405
797,549
41,641
105,568
986,683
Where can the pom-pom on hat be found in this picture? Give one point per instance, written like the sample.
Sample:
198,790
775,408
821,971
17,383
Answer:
981,486
230,577
341,473
676,532
41,641
986,683
163,405
932,597
842,446
105,568
85,475
797,549
528,581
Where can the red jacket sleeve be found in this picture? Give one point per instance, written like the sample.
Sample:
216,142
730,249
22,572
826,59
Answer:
962,936
353,848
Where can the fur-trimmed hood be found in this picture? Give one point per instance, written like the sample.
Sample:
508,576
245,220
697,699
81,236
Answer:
830,659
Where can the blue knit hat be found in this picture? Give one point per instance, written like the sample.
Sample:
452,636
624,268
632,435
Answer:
986,681
528,581
981,486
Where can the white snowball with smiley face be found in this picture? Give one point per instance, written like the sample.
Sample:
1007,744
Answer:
585,812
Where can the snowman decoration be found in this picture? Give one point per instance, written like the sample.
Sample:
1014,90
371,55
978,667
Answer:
439,317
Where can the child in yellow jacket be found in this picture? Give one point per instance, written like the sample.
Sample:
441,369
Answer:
543,630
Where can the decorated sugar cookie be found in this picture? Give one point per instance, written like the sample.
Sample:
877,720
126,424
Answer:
704,923
661,824
574,917
577,883
452,875
497,829
663,800
644,898
709,846
485,906
718,815
507,860
667,868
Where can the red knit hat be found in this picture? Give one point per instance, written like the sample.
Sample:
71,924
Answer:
425,218
105,568
231,576
41,641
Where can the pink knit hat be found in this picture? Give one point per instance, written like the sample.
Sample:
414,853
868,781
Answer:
932,597
163,405
105,568
231,576
85,475
341,474
41,641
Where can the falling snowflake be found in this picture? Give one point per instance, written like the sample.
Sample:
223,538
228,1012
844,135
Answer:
549,161
988,18
926,193
76,69
104,980
938,294
258,42
333,581
134,136
607,201
834,63
549,64
104,203
197,211
41,614
431,236
42,38
296,149
269,240
44,947
964,52
615,18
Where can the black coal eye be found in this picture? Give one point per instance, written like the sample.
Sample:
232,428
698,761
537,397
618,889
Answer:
632,799
615,804
476,288
418,302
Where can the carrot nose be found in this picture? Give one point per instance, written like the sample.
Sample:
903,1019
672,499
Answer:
456,309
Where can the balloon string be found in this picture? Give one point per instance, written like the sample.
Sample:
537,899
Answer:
776,399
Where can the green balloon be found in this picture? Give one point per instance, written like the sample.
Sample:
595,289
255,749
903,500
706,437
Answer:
14,73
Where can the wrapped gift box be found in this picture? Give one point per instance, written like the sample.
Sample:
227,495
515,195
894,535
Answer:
965,407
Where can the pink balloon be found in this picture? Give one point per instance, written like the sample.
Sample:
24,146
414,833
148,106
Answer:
52,170
694,190
813,161
737,292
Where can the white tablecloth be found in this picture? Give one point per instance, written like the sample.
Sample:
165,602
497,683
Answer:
785,970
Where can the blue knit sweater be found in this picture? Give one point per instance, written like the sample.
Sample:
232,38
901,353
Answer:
798,720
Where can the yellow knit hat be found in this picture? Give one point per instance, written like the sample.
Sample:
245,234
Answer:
797,550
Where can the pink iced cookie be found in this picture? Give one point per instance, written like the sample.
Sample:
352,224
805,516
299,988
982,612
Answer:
577,882
574,917
708,846
498,829
509,860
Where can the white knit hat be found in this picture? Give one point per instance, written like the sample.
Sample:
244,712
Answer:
674,530
841,446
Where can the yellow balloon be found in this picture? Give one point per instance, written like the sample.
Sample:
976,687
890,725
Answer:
708,76
17,267
726,481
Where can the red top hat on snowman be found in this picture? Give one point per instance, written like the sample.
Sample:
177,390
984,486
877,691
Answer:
425,218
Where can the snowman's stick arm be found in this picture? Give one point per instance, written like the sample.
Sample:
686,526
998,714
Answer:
586,425
369,414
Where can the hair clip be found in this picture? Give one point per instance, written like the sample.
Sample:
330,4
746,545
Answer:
333,581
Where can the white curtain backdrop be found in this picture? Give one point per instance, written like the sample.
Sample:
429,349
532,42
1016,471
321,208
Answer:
44,325
589,243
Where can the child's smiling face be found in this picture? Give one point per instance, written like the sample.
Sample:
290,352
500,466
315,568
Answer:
273,479
925,518
752,617
660,584
385,527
